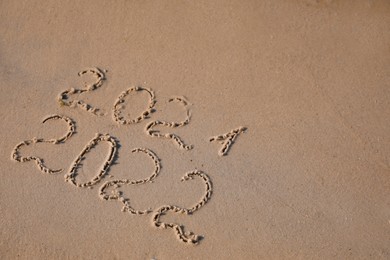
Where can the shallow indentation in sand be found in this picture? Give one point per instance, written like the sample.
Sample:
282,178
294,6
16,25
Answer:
71,176
39,161
186,237
64,97
227,139
118,106
176,139
117,195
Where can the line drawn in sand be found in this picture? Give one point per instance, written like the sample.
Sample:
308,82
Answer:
118,105
176,139
117,195
39,161
64,100
186,237
227,139
71,175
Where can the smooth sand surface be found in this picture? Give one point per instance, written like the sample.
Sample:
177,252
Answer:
310,80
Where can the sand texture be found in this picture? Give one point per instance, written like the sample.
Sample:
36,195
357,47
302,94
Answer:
195,129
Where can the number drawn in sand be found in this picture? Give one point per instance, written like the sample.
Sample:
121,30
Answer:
227,139
176,139
64,97
119,104
71,176
117,195
39,161
186,237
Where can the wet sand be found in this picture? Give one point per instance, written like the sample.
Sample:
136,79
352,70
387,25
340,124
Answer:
260,126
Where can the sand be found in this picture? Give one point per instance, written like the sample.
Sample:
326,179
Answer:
263,127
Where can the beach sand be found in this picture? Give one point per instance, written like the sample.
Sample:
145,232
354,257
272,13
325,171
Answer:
308,179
